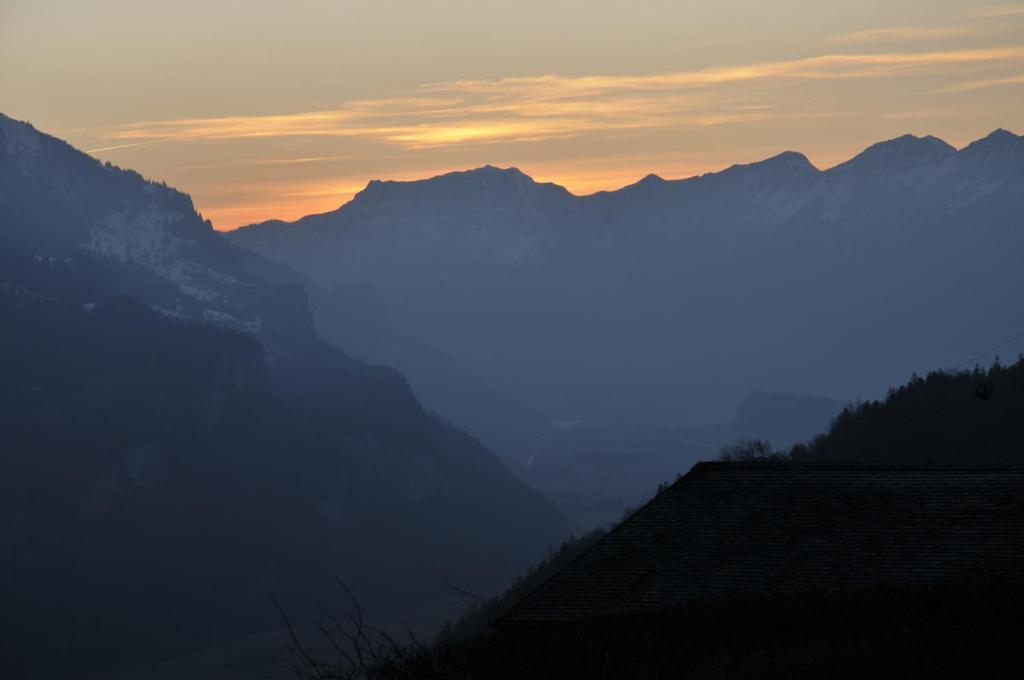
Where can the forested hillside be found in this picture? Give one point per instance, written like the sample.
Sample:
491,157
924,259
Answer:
966,417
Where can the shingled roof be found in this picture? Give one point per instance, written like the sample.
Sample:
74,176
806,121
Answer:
734,528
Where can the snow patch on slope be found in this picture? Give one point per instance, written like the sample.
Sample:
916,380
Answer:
141,237
220,318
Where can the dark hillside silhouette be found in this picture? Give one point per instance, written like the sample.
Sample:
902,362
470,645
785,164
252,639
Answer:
918,604
765,569
933,632
176,442
774,528
967,417
158,479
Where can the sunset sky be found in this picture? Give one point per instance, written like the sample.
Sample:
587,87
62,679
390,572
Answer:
264,109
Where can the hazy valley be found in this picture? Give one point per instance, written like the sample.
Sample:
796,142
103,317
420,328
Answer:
425,391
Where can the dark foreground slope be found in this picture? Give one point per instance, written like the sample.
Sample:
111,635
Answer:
928,632
964,629
177,444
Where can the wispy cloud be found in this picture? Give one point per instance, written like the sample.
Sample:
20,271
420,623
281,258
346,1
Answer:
996,11
256,162
547,107
900,33
238,127
905,115
130,145
971,85
828,66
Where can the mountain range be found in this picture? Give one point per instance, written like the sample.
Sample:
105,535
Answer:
667,301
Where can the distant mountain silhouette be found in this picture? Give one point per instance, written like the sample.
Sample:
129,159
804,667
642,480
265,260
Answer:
668,300
178,442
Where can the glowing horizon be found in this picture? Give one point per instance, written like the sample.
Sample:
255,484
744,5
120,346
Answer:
675,89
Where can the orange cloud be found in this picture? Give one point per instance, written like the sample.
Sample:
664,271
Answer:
971,85
448,118
550,106
819,67
900,33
